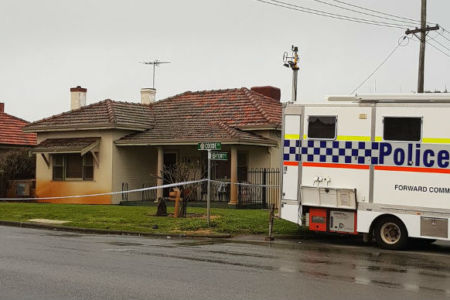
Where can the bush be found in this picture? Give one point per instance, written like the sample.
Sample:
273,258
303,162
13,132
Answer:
16,165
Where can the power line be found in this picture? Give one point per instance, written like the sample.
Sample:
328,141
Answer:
377,11
396,19
437,42
382,63
327,14
435,47
443,36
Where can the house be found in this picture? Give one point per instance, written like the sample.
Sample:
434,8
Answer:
11,135
100,147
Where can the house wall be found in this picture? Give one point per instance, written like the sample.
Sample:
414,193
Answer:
135,166
103,173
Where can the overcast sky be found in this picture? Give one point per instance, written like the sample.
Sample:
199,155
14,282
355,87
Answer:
49,46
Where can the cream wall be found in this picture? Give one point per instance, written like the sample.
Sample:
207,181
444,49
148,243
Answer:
102,183
136,166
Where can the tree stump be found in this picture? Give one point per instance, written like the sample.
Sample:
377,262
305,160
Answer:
162,208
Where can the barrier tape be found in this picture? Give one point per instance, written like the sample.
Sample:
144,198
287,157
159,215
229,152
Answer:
109,193
244,184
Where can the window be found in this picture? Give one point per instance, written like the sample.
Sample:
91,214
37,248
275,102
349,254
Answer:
402,128
73,167
322,127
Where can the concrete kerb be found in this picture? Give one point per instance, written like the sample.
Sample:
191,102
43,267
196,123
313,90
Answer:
111,232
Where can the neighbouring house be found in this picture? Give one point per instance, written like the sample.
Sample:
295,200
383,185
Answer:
11,135
101,147
13,139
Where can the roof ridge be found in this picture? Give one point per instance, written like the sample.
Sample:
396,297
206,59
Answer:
111,114
256,104
231,131
17,118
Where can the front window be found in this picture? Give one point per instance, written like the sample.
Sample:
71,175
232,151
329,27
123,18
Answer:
73,167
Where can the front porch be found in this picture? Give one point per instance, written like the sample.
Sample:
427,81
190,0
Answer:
246,164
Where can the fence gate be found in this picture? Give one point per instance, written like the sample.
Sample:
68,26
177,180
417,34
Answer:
254,196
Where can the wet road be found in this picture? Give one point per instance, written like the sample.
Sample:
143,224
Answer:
38,264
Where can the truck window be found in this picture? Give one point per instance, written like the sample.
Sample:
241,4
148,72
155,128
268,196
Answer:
322,127
402,128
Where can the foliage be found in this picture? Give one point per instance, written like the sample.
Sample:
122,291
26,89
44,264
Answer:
17,164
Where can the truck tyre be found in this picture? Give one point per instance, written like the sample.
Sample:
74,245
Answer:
391,233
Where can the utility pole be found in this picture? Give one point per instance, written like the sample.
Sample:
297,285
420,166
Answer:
155,64
423,34
292,62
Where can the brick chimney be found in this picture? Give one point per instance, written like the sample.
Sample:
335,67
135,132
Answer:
77,97
2,107
148,95
269,91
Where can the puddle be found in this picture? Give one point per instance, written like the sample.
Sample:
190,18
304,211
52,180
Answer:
124,244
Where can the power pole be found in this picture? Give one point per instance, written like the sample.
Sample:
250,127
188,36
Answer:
292,62
423,34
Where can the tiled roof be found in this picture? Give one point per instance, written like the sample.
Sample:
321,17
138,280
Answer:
104,114
188,117
11,131
65,144
207,115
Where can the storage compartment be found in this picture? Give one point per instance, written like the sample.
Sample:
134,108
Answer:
328,197
318,219
435,227
342,221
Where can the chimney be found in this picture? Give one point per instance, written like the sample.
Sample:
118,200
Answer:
2,107
148,95
269,91
77,97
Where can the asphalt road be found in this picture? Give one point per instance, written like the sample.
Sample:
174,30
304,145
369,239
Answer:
40,264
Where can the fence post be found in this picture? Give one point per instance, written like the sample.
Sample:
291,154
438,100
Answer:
264,189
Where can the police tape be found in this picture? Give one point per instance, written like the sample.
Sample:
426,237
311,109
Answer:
109,193
245,184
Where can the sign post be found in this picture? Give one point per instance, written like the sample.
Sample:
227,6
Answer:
209,146
208,197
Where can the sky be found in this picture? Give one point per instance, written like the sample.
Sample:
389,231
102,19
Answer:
49,46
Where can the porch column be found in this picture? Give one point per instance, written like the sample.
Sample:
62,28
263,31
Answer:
234,187
159,168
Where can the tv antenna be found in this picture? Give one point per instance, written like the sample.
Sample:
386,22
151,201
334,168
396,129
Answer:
155,64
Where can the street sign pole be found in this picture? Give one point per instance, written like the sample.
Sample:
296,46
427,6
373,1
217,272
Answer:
208,197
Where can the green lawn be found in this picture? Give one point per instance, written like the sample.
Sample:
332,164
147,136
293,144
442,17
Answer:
141,218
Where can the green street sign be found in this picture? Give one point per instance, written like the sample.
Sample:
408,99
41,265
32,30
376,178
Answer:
209,146
219,156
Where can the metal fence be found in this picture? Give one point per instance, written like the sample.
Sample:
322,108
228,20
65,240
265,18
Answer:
265,191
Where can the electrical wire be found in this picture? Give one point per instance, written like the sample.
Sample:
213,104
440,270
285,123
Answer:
330,15
399,44
437,42
443,36
379,12
438,49
396,19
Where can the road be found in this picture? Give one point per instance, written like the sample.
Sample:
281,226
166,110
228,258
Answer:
40,264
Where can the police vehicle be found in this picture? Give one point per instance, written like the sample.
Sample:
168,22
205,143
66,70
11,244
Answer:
372,164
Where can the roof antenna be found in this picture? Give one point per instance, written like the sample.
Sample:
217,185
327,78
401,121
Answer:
155,64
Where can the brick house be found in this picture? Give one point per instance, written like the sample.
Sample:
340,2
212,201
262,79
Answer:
98,147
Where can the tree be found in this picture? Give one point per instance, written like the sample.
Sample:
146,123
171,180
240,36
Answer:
181,172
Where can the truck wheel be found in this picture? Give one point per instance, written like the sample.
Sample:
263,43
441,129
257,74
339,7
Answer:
390,233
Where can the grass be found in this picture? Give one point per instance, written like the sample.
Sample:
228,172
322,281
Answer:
142,218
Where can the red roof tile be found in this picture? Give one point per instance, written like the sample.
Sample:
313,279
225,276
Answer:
187,117
11,131
198,116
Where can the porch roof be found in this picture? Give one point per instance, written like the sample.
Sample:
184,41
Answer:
67,145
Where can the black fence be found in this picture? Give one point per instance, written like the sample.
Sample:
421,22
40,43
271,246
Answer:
263,191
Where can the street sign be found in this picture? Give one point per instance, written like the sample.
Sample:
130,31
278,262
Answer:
209,146
219,155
